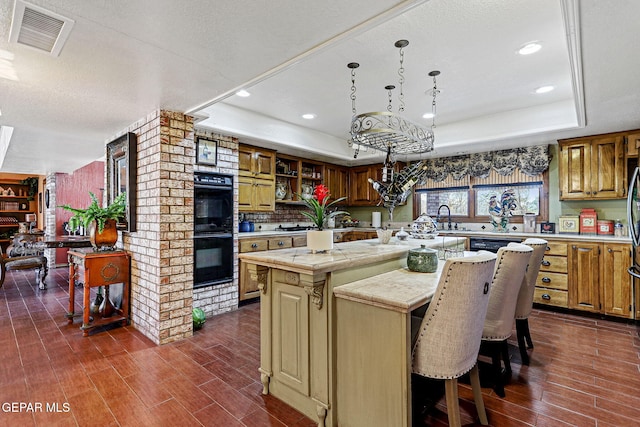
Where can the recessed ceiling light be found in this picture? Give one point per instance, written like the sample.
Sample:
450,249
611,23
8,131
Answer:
544,89
308,116
428,116
243,93
529,48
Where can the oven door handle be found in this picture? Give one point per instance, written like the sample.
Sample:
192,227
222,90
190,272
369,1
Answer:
217,236
213,187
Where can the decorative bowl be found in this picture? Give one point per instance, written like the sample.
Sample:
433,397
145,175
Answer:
424,227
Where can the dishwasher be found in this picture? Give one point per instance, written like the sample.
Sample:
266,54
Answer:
491,244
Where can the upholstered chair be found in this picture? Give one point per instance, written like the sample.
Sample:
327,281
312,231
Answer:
525,297
449,336
508,275
24,253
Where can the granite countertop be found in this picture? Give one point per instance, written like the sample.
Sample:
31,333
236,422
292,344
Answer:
399,290
276,232
344,255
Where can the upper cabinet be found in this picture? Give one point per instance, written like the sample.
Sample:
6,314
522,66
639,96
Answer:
256,179
336,178
256,162
361,192
593,167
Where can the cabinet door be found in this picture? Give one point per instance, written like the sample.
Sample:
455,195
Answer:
574,172
264,195
633,143
616,282
248,288
245,193
361,192
608,168
245,161
584,280
290,336
336,178
265,164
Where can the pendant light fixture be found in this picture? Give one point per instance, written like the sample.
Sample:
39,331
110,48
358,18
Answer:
387,131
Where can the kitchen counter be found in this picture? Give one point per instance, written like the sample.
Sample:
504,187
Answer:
345,255
298,315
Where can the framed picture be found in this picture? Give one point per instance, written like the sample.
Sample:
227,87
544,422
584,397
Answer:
122,167
548,227
206,151
568,224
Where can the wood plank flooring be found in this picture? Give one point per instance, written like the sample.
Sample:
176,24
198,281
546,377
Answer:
583,372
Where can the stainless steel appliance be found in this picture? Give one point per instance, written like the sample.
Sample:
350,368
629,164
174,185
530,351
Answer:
489,243
213,229
633,224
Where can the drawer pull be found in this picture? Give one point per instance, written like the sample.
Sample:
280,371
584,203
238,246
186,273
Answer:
280,243
546,297
546,263
254,245
548,248
546,280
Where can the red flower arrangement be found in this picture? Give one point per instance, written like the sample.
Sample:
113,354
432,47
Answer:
319,205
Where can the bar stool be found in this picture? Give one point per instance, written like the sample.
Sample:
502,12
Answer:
449,337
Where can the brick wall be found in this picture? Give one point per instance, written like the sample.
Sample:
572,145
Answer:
162,247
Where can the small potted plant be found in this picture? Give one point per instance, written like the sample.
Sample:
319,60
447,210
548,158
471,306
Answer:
100,221
320,239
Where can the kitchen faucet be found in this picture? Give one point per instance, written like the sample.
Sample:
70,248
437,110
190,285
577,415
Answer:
448,216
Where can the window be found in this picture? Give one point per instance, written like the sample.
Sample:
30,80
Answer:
470,202
457,199
527,196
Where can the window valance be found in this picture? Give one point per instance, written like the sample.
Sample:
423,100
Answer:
530,160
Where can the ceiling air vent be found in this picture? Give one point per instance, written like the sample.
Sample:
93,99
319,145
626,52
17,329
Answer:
39,28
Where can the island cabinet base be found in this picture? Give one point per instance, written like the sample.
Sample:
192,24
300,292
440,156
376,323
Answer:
298,320
294,356
373,372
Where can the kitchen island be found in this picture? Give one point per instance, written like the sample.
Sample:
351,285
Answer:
298,330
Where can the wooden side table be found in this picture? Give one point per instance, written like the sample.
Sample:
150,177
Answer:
102,268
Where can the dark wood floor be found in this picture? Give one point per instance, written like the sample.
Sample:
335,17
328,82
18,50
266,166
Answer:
584,372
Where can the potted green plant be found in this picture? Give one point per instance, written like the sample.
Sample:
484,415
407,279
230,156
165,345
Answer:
32,184
100,221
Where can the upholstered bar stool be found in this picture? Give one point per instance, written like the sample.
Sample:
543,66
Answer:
510,269
449,337
525,297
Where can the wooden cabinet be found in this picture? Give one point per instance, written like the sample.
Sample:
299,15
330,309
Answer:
256,179
336,178
552,285
14,205
361,192
295,175
616,282
593,168
584,285
633,144
249,288
256,162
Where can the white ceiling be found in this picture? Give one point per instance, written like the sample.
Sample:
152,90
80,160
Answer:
125,59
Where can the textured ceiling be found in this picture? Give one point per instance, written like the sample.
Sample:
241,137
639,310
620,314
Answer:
126,59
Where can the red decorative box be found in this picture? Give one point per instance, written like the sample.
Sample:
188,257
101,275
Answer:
605,226
588,221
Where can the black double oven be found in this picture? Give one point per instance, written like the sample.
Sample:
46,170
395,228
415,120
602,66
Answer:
213,229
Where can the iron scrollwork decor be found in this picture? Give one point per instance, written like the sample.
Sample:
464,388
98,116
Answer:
121,176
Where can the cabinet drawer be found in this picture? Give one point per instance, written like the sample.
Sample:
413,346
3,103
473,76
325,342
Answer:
551,297
280,243
554,263
548,279
299,241
556,249
253,245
